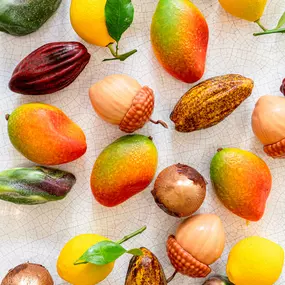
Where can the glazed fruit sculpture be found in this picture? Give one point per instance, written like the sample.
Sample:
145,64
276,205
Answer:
87,259
268,125
121,100
255,261
199,241
23,17
123,169
145,270
250,10
45,135
210,102
179,36
242,182
49,68
179,190
84,274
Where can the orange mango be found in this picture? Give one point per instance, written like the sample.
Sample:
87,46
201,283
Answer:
123,169
45,135
179,36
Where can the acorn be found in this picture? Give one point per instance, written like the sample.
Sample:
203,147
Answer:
199,241
268,124
179,190
121,100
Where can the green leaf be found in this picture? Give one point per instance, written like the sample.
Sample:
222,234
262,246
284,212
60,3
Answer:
135,251
281,22
119,16
102,253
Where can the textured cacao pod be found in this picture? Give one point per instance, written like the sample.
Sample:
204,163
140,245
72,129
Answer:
50,68
145,270
210,102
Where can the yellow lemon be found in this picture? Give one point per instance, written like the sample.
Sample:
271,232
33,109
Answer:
255,261
88,20
250,10
84,274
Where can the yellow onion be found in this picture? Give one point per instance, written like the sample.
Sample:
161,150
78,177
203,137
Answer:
199,241
121,100
268,124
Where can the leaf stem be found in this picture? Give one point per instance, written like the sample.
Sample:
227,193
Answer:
116,55
125,238
267,32
171,277
260,25
78,262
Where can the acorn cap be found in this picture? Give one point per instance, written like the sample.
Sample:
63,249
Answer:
140,111
275,150
184,262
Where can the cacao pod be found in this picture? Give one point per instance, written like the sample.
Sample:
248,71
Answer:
210,102
145,270
34,185
50,68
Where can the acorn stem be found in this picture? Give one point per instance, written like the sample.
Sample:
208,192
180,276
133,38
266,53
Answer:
159,122
7,116
171,277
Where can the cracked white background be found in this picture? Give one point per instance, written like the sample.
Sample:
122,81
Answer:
37,233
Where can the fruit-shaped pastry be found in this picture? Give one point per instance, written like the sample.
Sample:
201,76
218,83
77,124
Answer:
35,185
23,17
250,10
121,100
145,270
199,241
268,124
242,182
88,259
210,102
45,135
255,261
179,190
49,68
123,169
179,36
28,274
102,23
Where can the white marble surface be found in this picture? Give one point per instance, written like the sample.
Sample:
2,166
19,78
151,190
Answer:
37,233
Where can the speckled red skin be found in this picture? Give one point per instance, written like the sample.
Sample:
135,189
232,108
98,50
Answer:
184,262
140,111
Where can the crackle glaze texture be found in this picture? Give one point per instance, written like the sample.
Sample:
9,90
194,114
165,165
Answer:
38,233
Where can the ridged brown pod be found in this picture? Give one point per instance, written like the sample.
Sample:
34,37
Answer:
50,68
145,270
210,102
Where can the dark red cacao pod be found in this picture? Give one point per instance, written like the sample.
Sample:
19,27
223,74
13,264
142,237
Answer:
282,88
49,68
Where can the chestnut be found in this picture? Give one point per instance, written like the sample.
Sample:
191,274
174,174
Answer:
199,241
179,190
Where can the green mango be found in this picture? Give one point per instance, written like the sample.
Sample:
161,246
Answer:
22,17
34,185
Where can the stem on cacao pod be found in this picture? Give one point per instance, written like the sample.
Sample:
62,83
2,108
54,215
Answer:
171,277
260,25
117,56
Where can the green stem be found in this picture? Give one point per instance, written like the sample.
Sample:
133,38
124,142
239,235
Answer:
80,262
121,57
124,239
267,32
260,25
